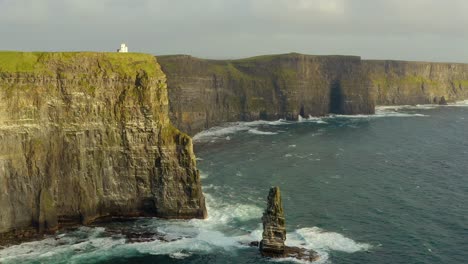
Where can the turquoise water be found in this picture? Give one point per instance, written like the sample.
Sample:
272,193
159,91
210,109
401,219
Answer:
390,188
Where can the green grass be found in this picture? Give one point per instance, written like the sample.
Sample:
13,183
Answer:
384,81
12,61
73,63
462,83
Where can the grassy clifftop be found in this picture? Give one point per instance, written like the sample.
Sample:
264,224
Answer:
104,64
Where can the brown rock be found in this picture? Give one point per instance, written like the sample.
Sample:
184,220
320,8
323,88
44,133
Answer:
274,232
274,229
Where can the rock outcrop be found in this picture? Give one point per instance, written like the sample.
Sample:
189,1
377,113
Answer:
206,93
87,136
274,226
411,83
274,232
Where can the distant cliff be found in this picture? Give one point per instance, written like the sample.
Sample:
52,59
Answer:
205,93
408,83
87,136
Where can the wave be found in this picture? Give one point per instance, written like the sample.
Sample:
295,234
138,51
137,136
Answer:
234,127
321,240
186,238
252,127
313,119
460,104
314,238
382,112
463,103
408,107
258,132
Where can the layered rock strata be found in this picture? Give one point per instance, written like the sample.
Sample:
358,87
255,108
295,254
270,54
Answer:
274,226
206,93
87,136
274,232
411,83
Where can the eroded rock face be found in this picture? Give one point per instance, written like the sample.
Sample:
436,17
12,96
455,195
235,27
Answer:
274,228
274,232
86,136
206,93
411,83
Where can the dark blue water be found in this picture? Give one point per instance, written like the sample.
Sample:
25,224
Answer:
392,188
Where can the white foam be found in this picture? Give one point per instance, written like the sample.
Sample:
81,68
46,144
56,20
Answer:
217,232
460,104
231,128
220,212
321,240
214,133
258,132
313,119
463,103
408,107
313,238
84,243
203,175
179,255
382,112
322,259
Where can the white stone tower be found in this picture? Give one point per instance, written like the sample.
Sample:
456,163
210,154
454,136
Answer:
123,48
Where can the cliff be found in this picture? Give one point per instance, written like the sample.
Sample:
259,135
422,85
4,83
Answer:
410,83
87,136
206,93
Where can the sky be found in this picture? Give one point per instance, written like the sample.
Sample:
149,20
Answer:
423,30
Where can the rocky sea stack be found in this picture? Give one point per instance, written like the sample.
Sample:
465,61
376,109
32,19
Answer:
274,232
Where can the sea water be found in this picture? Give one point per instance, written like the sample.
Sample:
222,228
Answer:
387,188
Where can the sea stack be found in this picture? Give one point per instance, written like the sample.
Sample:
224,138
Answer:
274,229
274,232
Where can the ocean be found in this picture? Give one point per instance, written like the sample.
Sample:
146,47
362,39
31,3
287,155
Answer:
387,188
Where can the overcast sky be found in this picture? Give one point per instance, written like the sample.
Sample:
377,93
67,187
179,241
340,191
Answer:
428,30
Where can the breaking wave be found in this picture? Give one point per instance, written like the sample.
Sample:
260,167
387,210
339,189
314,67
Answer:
258,132
219,232
258,127
231,128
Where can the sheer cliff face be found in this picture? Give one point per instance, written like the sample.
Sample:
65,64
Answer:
205,93
85,136
407,83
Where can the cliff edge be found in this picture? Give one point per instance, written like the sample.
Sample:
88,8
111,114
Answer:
87,136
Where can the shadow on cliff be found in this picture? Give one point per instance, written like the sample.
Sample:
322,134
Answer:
336,98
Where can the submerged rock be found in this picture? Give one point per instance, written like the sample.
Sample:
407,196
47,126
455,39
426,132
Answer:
274,232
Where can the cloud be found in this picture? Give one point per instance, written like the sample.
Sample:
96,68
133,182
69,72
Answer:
23,11
215,28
